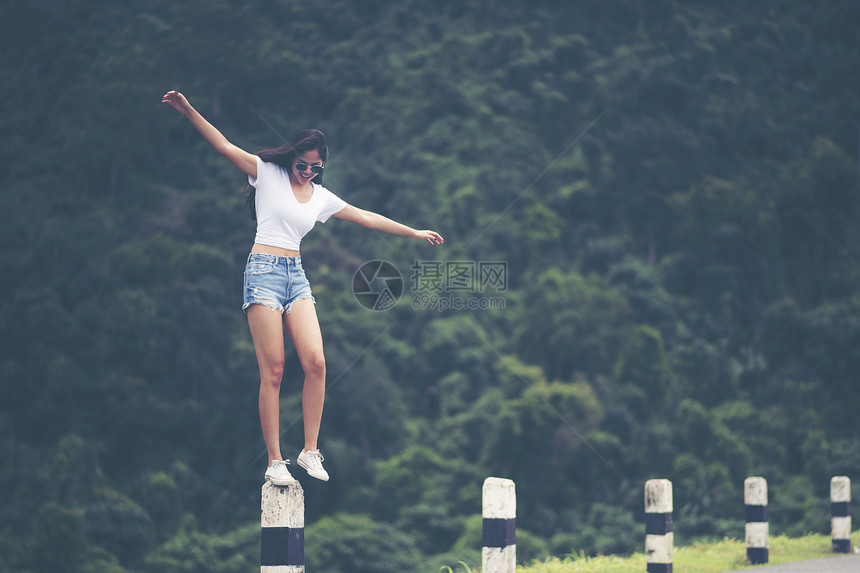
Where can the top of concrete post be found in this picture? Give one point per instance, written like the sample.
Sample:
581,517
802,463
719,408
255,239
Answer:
840,489
283,506
658,496
755,491
500,498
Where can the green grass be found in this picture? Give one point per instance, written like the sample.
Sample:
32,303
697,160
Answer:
716,557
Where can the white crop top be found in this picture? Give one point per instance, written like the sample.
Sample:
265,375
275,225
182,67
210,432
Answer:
281,220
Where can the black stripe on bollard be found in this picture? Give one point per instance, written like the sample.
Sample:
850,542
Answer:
499,532
841,546
756,513
659,568
757,555
282,546
658,523
840,509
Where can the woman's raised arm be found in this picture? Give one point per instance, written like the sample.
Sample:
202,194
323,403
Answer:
379,222
245,161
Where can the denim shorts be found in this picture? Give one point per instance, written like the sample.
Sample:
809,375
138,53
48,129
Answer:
276,282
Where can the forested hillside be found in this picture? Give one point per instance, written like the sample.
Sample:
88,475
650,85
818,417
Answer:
671,187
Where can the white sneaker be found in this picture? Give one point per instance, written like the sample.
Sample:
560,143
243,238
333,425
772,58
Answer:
278,474
312,461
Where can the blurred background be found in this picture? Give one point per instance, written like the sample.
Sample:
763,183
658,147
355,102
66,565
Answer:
673,190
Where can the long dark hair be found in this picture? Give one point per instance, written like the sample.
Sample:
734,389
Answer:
301,142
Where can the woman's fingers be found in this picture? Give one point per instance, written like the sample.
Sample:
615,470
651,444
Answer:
433,238
172,97
177,100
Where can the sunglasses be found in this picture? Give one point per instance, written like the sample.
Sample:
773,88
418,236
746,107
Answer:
301,166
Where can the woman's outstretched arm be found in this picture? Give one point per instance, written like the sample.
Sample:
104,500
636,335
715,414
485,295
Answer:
376,221
246,162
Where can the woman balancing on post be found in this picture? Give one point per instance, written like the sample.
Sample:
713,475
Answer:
288,199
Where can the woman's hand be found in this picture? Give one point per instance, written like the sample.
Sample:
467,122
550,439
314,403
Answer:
431,237
178,101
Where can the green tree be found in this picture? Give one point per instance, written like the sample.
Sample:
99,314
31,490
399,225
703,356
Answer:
357,544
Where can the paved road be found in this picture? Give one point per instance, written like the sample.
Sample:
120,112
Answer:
841,564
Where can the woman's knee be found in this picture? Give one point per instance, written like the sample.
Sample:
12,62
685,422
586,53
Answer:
314,366
272,374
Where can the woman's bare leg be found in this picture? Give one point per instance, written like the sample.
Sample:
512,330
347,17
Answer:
267,331
303,326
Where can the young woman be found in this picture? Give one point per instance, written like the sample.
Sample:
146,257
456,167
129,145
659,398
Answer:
287,200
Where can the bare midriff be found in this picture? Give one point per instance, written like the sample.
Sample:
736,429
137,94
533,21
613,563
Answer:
276,251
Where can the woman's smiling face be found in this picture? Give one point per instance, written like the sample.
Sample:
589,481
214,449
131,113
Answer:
307,160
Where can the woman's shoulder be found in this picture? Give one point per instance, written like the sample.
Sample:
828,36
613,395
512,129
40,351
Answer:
270,168
269,164
325,192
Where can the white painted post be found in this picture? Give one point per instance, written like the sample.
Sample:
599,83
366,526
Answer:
757,530
659,537
840,514
282,539
499,551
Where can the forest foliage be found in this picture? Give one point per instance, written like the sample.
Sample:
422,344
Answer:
672,187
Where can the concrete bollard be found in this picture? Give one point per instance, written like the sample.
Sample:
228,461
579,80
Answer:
499,551
840,514
757,532
659,538
282,539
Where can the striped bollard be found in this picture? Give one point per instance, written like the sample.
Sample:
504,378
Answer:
755,502
499,551
659,538
282,539
840,514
